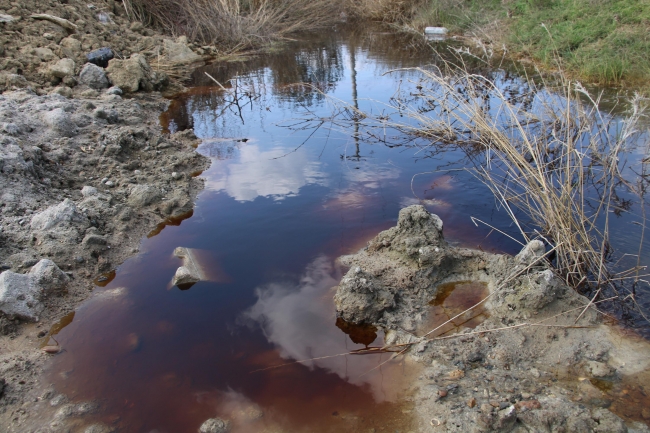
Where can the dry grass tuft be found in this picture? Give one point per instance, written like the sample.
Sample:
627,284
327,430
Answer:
234,23
555,159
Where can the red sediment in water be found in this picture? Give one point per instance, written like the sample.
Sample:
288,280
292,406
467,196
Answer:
454,298
57,327
171,221
359,334
104,279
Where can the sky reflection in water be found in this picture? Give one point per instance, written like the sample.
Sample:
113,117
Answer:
280,204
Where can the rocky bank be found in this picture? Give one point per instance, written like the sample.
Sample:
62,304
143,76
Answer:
530,357
85,168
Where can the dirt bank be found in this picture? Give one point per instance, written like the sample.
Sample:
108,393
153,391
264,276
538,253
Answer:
85,169
529,358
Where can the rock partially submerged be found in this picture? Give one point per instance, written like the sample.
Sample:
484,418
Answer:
215,425
497,376
190,273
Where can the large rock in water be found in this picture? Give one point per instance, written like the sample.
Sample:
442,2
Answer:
134,74
94,77
21,294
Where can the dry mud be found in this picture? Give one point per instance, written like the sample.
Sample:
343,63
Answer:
85,171
521,363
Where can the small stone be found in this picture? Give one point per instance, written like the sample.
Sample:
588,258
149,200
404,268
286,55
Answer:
176,175
89,94
442,393
109,183
58,400
93,76
104,180
114,91
62,68
100,57
523,406
89,191
486,408
456,374
63,91
471,402
494,403
137,172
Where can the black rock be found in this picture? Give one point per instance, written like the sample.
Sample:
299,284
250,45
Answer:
100,57
3,383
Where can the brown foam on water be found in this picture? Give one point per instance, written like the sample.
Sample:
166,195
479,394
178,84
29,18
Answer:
453,299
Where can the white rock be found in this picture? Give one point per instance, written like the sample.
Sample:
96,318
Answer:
532,251
48,277
143,195
19,296
64,212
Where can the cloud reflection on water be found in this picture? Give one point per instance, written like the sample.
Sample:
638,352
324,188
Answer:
275,173
300,321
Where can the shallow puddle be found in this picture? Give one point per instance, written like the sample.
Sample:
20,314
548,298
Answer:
448,312
259,342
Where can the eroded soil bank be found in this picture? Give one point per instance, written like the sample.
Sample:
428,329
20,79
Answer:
85,171
540,360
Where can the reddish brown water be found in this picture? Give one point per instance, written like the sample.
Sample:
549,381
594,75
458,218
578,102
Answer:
281,202
449,309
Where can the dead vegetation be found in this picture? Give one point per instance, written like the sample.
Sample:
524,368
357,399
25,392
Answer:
556,164
234,23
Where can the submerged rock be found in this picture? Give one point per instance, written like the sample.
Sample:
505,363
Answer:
215,425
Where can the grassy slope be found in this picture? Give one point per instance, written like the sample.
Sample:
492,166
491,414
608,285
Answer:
602,41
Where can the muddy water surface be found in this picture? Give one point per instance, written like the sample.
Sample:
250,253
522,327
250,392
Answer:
282,200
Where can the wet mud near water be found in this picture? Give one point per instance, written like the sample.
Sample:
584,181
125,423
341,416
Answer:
259,342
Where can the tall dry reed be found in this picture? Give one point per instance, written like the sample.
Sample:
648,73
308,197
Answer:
235,23
552,159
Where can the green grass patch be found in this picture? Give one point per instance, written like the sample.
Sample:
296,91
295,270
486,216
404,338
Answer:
599,41
602,41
